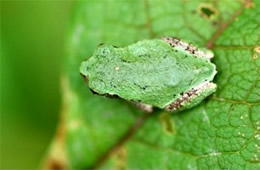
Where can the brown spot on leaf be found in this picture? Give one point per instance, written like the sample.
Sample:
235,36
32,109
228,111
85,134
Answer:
214,23
55,165
257,52
255,56
249,3
257,49
193,12
167,123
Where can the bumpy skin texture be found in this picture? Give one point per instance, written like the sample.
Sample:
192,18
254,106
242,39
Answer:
150,72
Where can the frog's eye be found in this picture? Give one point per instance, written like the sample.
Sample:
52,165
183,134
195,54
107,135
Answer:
104,50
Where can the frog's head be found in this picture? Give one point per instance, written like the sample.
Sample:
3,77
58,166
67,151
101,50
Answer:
102,52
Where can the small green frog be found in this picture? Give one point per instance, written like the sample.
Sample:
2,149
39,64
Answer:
166,73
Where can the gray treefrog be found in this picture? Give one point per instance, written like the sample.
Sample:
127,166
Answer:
166,73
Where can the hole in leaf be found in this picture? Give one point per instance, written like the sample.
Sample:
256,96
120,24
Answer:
207,11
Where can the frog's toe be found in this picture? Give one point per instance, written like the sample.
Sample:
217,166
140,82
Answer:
145,107
206,54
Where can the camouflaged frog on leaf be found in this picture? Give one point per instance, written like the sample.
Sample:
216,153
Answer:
166,73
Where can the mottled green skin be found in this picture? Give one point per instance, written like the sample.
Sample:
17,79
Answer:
150,71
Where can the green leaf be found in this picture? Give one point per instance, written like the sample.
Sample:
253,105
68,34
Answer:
222,132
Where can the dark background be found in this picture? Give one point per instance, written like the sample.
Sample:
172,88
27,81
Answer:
33,36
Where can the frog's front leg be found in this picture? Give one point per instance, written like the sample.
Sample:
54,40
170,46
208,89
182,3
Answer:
177,43
145,107
192,97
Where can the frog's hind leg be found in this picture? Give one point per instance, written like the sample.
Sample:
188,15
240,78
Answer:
175,42
192,97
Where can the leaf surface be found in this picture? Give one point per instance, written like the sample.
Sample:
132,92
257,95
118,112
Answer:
222,132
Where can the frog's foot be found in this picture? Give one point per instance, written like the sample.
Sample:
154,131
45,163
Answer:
192,97
175,42
145,107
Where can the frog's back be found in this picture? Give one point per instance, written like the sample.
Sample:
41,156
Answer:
150,72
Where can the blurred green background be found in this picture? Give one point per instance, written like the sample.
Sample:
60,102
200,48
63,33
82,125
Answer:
33,35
